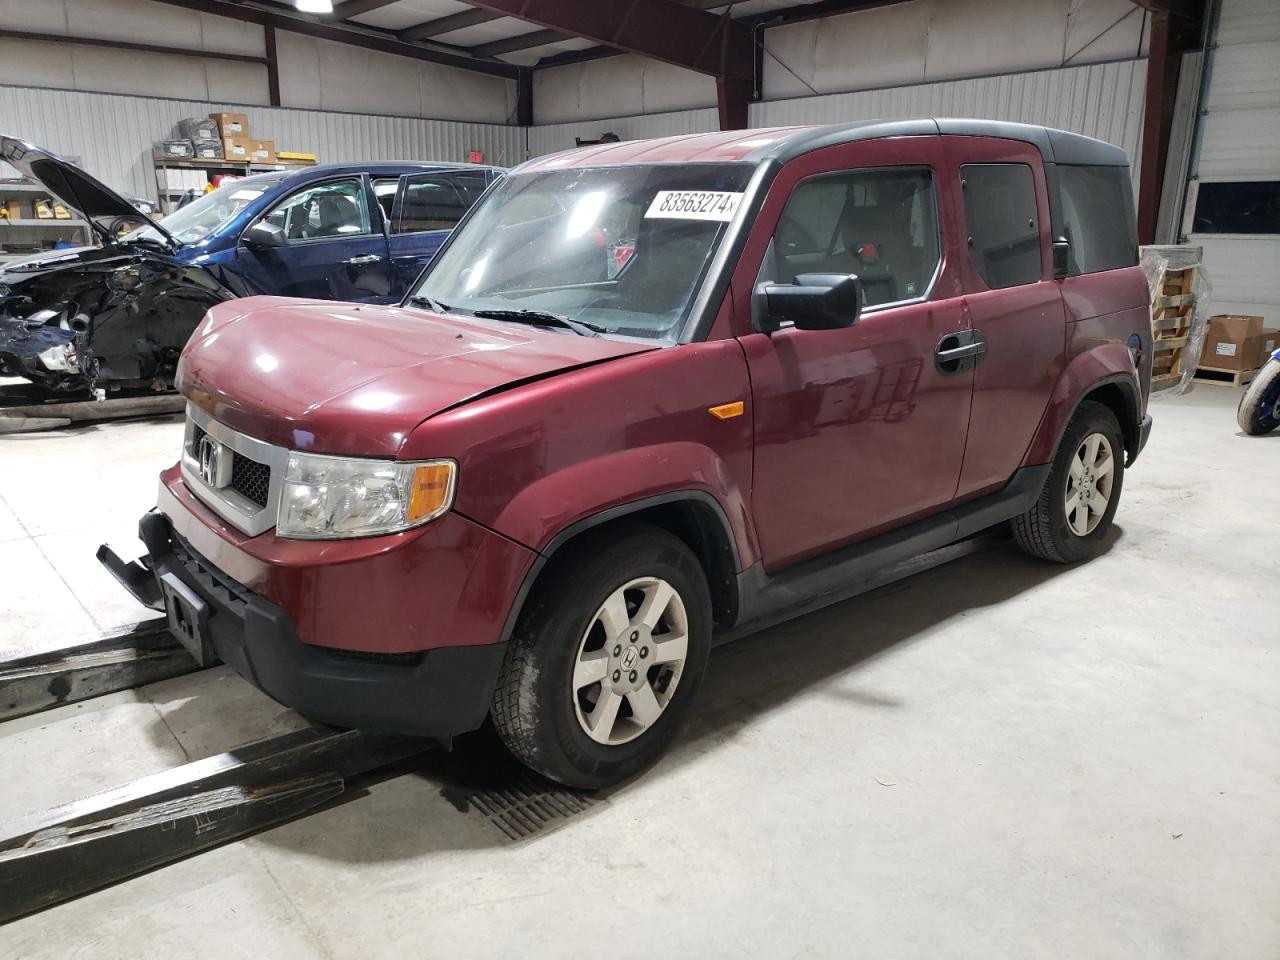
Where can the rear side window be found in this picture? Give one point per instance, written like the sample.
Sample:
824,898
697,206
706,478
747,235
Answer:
1098,218
880,224
430,203
1000,210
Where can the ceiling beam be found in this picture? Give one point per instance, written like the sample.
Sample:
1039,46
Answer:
661,29
523,41
455,21
353,8
354,35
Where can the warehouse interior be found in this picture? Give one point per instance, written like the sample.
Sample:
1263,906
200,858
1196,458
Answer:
966,752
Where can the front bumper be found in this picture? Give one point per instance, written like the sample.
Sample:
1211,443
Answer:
1144,434
441,692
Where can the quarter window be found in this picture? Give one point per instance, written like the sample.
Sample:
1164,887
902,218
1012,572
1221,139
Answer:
1098,218
1000,210
330,210
879,224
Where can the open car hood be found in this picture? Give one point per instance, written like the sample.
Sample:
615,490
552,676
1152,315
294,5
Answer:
72,185
356,379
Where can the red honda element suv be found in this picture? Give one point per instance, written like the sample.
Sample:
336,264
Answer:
649,396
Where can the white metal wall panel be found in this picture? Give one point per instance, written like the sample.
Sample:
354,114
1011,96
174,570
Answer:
112,134
1240,140
554,137
1102,100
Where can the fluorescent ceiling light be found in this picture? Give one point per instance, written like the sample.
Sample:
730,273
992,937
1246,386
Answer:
314,6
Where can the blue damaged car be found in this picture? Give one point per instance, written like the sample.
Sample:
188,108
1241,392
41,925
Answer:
117,315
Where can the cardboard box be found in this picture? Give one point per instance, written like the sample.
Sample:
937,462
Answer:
231,124
16,211
262,151
1260,348
236,149
1227,343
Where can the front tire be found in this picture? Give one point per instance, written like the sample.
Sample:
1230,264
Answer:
1070,520
606,657
1259,410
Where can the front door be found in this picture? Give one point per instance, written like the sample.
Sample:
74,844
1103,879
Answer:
863,428
335,248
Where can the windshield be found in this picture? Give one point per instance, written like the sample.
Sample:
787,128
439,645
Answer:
206,214
621,248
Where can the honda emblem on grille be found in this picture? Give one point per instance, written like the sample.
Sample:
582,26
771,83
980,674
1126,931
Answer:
210,460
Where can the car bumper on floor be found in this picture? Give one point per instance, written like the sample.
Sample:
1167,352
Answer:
439,692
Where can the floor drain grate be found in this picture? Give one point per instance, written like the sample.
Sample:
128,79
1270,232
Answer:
528,807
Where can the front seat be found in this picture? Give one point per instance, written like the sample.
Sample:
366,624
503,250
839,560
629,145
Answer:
336,216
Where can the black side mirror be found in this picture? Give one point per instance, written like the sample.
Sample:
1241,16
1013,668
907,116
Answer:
1061,258
263,234
816,301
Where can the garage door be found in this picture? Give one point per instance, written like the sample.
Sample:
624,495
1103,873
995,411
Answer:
1233,200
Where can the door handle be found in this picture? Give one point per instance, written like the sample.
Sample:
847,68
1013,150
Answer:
958,352
362,259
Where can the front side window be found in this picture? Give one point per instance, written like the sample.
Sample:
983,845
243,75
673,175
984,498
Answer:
328,211
879,224
1098,218
1002,222
623,248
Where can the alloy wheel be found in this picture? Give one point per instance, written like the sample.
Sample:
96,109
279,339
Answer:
1089,484
629,660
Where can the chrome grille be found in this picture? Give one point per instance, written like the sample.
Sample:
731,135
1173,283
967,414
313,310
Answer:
243,473
250,479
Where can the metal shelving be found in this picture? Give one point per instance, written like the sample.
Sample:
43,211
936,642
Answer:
39,231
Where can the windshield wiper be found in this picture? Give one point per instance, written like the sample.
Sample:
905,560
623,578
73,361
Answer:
435,306
540,318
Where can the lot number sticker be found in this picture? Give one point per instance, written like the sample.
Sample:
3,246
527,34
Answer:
693,205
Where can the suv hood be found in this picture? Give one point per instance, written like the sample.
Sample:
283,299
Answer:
71,185
356,379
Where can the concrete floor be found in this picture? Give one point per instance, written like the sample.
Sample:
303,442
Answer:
994,758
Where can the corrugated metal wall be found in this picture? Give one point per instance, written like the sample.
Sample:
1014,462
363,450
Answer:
553,137
1101,100
112,134
1240,140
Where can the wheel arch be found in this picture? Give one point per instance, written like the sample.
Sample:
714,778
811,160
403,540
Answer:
693,516
1089,380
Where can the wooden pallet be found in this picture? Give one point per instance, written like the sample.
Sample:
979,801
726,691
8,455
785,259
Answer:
1171,310
1230,378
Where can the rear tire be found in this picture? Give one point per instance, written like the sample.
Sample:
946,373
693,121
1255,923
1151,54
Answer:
606,657
1070,520
1259,410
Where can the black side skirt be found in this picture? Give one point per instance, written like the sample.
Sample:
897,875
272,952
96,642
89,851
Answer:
765,600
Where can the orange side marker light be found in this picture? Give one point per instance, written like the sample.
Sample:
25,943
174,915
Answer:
726,411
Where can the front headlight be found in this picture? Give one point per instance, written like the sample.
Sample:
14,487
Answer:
330,497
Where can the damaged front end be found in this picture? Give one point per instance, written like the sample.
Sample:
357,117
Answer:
109,318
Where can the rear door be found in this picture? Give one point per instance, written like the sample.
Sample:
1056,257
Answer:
427,207
1011,300
858,429
335,248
